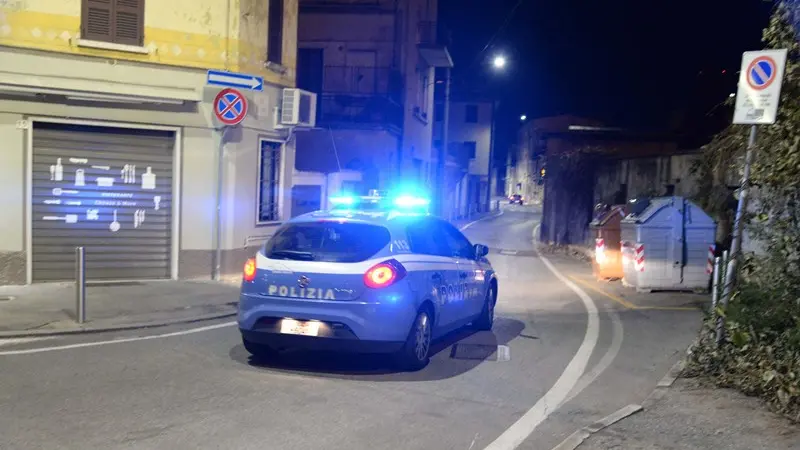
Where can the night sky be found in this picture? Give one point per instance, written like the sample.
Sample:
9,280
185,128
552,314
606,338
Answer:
645,64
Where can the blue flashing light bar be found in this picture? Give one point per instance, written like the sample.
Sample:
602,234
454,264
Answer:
343,200
407,201
380,201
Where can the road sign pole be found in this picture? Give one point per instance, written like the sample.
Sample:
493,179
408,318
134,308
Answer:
736,242
218,213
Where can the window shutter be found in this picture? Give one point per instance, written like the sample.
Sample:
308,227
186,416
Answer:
96,20
128,22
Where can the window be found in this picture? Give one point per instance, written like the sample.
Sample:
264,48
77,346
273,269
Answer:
352,187
422,99
275,32
425,238
458,245
269,166
438,112
471,148
327,241
114,21
439,238
471,114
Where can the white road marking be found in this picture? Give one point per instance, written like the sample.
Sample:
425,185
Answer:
16,341
549,403
605,362
607,359
482,218
115,341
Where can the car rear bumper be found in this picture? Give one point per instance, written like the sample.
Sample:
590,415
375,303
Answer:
346,321
277,340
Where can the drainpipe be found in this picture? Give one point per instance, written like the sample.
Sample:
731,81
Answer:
442,152
491,158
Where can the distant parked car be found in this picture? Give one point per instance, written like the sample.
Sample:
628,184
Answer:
516,198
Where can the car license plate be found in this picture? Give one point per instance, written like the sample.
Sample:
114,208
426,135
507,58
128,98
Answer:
290,326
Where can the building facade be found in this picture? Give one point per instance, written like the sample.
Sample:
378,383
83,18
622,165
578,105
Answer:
371,64
469,141
109,140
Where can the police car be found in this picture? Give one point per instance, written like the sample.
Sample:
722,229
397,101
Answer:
372,274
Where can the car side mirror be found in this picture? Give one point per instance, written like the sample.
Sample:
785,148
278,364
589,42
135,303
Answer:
481,250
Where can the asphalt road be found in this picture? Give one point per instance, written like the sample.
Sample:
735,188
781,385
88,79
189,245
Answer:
196,388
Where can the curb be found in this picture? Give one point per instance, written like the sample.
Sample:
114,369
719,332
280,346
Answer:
581,250
126,327
577,438
472,222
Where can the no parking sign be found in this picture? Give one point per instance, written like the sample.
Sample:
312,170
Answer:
759,90
230,106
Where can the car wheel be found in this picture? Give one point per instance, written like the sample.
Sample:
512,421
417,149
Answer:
416,352
486,321
259,351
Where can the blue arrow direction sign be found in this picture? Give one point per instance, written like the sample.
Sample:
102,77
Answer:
236,80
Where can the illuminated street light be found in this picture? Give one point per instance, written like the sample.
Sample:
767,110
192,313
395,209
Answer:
499,62
732,95
523,118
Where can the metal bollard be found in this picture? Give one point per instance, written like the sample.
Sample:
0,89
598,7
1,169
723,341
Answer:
80,284
715,285
720,270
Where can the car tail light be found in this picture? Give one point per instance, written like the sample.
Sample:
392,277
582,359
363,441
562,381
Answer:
384,274
249,270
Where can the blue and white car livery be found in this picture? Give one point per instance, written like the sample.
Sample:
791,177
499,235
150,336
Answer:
365,278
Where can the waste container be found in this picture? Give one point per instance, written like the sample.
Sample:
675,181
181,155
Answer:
607,261
665,246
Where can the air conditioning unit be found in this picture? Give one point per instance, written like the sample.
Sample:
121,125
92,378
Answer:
298,109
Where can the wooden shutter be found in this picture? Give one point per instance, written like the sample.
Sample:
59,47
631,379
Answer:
96,20
129,22
117,21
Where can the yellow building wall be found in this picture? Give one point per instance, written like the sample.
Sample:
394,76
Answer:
208,34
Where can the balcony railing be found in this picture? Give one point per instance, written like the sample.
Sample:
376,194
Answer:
347,6
361,96
374,110
362,81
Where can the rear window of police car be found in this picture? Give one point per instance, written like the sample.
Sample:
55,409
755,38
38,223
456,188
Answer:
327,241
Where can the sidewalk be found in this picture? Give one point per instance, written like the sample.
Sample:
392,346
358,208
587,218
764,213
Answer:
681,413
46,309
692,415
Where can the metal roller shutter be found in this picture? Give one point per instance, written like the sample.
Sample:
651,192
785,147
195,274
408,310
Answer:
108,190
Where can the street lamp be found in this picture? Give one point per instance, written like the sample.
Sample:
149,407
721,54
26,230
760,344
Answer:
499,62
523,118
